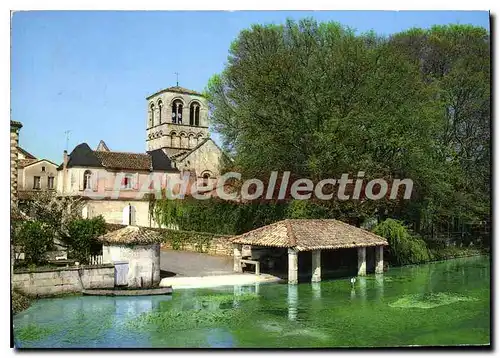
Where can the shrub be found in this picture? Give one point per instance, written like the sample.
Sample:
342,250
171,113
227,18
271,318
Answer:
404,249
36,239
82,237
19,302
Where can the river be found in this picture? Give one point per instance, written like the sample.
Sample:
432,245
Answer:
442,303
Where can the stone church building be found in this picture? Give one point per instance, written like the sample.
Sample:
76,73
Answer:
177,141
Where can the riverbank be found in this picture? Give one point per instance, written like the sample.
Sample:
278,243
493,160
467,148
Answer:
453,252
218,280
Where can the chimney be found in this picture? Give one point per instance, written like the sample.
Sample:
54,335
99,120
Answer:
64,171
65,159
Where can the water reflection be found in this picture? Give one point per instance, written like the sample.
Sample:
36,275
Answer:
316,289
361,287
379,283
293,300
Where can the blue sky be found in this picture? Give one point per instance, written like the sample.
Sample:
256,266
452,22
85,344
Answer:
89,72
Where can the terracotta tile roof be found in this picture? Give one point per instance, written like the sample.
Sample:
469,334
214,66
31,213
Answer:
310,234
121,160
131,235
24,162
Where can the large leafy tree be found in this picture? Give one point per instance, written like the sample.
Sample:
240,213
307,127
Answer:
319,100
455,60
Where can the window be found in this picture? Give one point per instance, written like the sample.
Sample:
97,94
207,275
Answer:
177,111
127,182
43,169
206,178
36,182
87,180
152,115
194,114
50,182
160,106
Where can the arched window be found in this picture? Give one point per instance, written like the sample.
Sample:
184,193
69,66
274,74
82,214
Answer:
152,115
87,180
206,178
194,114
184,140
192,140
177,111
160,109
173,138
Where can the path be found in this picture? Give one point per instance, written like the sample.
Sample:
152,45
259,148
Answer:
189,264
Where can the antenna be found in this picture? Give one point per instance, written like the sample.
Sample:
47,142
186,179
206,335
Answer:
67,132
177,78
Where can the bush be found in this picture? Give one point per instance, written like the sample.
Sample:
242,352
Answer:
19,302
82,239
404,249
36,238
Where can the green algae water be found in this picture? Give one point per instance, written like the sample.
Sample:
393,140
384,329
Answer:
444,303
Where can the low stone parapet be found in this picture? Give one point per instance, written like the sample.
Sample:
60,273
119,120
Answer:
56,281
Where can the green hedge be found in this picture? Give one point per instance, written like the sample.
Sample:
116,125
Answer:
178,239
232,218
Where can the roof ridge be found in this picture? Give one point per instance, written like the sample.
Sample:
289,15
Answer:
119,152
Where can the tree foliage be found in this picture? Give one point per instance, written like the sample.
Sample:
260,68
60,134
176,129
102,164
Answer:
82,237
35,238
403,248
319,99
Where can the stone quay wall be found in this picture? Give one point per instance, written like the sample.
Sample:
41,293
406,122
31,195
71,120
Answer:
57,281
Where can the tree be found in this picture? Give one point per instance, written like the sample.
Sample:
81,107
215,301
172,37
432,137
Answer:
319,100
82,237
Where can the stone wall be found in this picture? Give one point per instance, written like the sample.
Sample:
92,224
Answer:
113,211
14,142
56,281
218,244
206,159
143,262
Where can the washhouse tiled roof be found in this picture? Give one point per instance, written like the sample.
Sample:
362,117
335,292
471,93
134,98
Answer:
131,235
310,234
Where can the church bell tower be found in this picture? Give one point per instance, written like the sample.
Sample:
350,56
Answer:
177,120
